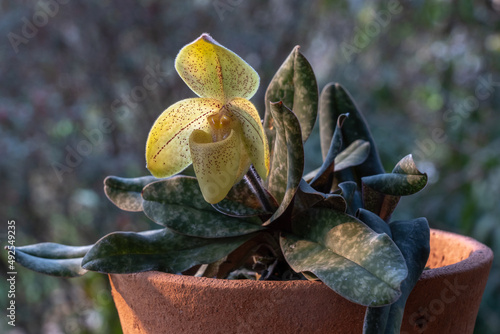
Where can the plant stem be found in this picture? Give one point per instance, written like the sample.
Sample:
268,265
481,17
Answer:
255,183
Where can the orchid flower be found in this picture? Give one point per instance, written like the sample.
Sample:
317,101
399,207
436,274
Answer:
220,132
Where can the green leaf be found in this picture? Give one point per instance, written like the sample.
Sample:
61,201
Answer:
404,180
311,175
334,101
53,259
381,193
287,163
50,250
335,202
354,155
351,195
379,203
328,119
373,221
356,262
162,250
412,238
306,197
323,178
295,85
178,204
242,201
125,193
61,267
234,208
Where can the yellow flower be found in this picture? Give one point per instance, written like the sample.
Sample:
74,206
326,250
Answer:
220,132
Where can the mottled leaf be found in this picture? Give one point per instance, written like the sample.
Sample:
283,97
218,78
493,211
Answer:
178,204
354,155
323,179
376,320
306,197
334,101
287,164
404,180
363,266
162,250
382,192
412,238
125,193
407,166
50,250
311,175
295,85
61,267
328,119
377,202
374,222
351,195
335,202
247,199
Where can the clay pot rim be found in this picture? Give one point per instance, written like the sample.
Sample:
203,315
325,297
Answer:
480,255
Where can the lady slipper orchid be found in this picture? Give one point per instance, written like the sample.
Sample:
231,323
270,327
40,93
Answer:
220,132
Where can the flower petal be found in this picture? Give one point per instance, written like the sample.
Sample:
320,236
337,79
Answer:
253,134
213,71
217,165
167,147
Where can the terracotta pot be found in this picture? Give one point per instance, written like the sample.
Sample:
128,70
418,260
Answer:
445,300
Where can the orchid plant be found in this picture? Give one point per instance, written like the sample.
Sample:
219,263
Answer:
246,209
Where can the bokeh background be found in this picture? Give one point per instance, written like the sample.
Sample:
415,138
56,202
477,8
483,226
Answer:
75,107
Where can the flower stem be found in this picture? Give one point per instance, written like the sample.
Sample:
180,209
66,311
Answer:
255,182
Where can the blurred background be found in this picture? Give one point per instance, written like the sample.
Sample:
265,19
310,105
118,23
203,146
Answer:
81,83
